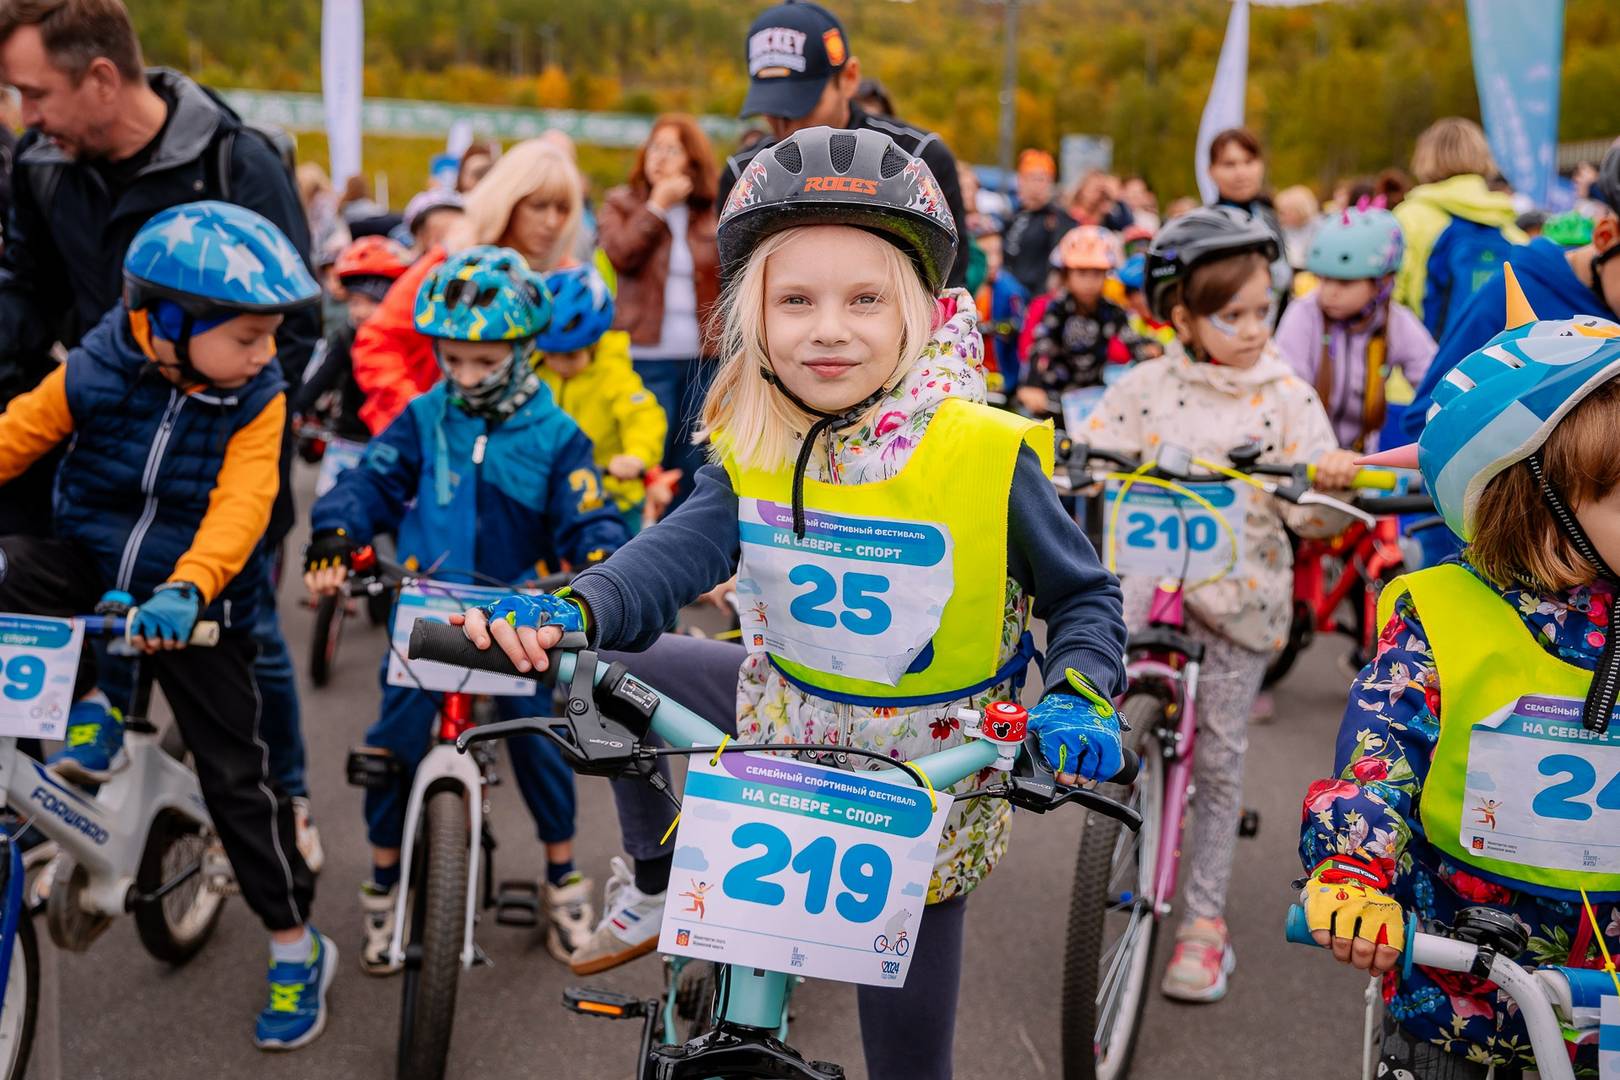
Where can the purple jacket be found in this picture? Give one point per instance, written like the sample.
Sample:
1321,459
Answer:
1299,339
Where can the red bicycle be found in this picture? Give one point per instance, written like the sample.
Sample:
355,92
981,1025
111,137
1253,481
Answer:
1337,581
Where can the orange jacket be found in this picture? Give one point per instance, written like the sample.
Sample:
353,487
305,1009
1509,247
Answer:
392,362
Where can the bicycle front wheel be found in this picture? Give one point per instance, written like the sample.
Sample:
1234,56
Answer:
22,1001
1108,955
438,919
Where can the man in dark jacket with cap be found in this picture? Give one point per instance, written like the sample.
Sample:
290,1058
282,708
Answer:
801,75
109,144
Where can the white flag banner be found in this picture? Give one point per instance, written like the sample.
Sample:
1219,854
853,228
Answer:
1224,109
342,83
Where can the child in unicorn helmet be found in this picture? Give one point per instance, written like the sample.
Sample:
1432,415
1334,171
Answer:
1361,352
1475,762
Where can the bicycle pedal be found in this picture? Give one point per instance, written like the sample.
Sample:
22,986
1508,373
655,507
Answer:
1249,824
607,1004
517,903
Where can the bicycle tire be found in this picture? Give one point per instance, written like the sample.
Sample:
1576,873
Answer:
175,927
17,1032
438,916
323,642
1090,903
379,606
695,991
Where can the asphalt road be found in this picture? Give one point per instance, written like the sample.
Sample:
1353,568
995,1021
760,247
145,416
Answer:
114,1012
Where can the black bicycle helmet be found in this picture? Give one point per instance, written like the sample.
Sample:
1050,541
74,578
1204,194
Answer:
1210,232
829,176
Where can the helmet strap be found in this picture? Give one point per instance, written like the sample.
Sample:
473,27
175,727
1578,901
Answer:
1597,272
1600,699
825,421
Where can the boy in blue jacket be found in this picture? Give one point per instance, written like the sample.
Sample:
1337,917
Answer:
175,410
482,473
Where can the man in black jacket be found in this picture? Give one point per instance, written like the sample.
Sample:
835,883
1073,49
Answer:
1039,224
110,144
801,75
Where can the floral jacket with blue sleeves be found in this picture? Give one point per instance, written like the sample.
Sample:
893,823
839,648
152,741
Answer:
1370,804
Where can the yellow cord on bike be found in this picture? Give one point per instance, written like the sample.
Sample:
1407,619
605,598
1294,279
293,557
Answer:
1127,480
719,749
1603,946
669,832
933,798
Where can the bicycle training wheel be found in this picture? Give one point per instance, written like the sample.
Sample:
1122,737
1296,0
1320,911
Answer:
1108,954
437,922
174,926
323,643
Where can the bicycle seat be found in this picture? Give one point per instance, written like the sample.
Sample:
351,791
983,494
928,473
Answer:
1165,639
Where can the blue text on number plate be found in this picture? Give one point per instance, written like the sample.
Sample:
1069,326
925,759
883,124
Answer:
1166,534
788,866
39,660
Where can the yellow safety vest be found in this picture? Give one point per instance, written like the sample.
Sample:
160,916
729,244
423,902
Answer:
1517,788
896,594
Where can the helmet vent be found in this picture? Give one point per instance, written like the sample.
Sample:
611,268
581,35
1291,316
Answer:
787,156
841,148
893,162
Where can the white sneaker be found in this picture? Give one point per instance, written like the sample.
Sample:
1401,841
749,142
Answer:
378,910
568,916
308,836
629,926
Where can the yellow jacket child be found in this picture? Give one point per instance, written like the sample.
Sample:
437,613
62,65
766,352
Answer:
587,369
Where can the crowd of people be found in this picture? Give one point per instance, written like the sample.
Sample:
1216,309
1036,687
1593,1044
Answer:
625,386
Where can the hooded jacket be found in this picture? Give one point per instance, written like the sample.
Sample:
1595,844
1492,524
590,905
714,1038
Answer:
465,494
1436,219
616,412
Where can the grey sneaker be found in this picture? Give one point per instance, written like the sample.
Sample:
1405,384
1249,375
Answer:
629,926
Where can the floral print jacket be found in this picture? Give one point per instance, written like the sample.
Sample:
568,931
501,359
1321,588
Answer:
771,709
1370,805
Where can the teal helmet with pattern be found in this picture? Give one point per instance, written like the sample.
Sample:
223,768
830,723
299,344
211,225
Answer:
486,294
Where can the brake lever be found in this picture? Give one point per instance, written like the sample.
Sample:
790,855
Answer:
1316,498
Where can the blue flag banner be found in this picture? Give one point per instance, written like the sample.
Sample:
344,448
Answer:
1518,50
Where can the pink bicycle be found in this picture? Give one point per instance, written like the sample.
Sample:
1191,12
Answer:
1124,882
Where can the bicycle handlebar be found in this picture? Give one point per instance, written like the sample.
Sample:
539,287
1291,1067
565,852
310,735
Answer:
1449,954
370,569
204,633
1035,789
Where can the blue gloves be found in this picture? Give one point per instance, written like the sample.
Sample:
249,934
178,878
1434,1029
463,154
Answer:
169,615
1079,732
547,609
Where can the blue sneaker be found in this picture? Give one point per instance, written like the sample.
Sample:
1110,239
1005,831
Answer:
95,745
296,1014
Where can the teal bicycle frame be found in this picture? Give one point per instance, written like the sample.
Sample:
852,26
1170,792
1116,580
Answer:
751,1006
758,998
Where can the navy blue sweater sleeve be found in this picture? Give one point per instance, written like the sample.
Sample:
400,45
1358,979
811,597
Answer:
636,595
371,497
1075,595
584,523
1478,322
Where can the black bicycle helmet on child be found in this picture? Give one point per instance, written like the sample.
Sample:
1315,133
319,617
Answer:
1199,236
829,176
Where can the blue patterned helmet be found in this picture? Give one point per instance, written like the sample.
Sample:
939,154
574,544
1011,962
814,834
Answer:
1499,405
1356,245
485,293
214,259
581,310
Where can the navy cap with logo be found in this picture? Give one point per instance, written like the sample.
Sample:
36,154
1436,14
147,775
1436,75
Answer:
793,49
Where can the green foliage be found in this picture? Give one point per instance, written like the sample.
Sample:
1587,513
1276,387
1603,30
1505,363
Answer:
1335,88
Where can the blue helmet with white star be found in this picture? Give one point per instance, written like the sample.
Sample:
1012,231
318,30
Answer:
1500,404
214,259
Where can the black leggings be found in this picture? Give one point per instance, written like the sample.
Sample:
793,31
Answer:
907,1033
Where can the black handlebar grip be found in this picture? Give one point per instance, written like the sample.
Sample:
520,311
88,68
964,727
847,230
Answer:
1396,504
446,644
1127,772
